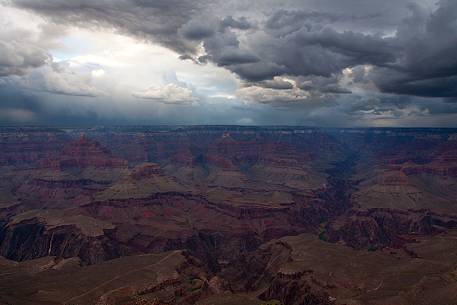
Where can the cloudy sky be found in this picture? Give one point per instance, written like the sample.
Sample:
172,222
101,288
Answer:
290,62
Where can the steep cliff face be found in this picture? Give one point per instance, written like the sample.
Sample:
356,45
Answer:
378,228
31,239
183,221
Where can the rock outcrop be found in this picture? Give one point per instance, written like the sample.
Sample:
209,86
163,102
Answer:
377,228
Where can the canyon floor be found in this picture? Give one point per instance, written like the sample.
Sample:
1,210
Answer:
228,215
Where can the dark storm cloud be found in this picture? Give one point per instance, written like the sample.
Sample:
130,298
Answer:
197,29
313,49
225,50
427,65
296,43
233,56
418,60
408,83
153,20
321,40
242,23
299,38
201,28
401,53
430,42
258,71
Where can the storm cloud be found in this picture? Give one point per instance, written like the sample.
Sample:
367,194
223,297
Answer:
352,60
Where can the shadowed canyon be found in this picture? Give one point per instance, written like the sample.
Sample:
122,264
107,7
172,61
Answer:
228,215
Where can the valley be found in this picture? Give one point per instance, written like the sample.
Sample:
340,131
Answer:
228,215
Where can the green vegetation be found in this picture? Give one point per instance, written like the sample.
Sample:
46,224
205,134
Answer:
196,285
323,236
372,248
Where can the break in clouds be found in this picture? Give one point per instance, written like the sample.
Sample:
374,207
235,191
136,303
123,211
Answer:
320,63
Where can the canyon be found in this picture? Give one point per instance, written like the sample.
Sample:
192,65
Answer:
228,215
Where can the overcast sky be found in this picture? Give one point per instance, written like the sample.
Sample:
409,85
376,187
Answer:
291,62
